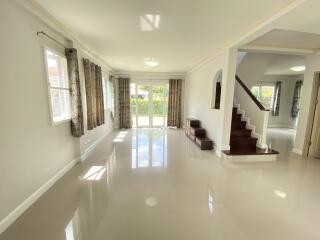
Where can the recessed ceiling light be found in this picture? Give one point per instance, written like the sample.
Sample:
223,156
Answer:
280,194
298,68
151,201
150,22
150,63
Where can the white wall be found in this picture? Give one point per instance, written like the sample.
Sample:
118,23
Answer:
32,150
252,71
306,107
252,67
199,85
284,120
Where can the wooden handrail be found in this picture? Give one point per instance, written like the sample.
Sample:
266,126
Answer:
256,101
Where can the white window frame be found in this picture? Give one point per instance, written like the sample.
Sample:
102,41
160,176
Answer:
104,92
53,122
109,95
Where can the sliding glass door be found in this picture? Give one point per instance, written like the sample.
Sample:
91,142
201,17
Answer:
149,105
159,105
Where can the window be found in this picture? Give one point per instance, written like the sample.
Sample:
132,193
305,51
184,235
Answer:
104,93
264,94
58,86
110,97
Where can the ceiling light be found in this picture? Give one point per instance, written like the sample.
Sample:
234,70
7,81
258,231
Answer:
298,68
280,194
149,22
150,62
151,201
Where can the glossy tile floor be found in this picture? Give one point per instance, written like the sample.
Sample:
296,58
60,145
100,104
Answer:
155,184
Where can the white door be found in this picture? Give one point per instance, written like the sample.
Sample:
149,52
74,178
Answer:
149,105
314,149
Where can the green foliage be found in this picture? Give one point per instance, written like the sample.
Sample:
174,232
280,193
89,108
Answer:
159,107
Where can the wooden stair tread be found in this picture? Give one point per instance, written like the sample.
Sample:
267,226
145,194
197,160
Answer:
253,151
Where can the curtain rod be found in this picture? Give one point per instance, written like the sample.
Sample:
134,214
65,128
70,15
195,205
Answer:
50,37
56,41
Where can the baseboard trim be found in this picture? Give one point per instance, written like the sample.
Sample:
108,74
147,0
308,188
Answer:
281,126
18,211
297,151
86,153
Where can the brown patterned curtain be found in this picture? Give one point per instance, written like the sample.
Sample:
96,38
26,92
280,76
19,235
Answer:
94,94
174,103
123,103
77,129
99,96
276,100
296,99
89,96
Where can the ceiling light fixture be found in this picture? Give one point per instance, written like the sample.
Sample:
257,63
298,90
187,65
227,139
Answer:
298,68
280,194
150,63
149,22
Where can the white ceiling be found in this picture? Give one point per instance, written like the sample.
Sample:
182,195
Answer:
288,39
282,64
188,32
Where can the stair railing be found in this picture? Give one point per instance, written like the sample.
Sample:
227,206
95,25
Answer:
262,108
256,114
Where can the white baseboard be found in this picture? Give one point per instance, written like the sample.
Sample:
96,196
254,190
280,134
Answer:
281,126
218,153
297,151
86,153
222,148
18,211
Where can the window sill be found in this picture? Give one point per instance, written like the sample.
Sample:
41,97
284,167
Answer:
60,122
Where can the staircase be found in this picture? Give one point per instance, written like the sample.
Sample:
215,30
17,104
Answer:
240,138
243,147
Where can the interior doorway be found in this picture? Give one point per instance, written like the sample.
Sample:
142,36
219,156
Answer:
314,143
149,105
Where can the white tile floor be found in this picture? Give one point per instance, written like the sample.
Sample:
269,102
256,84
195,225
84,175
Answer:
156,184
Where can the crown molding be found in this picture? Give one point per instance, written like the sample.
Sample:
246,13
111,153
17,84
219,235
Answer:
149,75
276,50
44,16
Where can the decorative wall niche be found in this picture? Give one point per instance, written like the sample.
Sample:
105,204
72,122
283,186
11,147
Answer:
216,90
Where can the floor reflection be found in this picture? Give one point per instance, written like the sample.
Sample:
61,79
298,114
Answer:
210,202
73,228
111,166
149,148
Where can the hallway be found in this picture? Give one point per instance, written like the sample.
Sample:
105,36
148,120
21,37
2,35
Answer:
156,184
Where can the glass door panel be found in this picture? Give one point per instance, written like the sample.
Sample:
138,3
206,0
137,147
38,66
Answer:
159,105
133,104
149,105
143,106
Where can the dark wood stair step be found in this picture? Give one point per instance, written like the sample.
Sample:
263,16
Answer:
204,143
194,123
198,132
236,117
238,125
252,151
234,110
242,142
240,133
